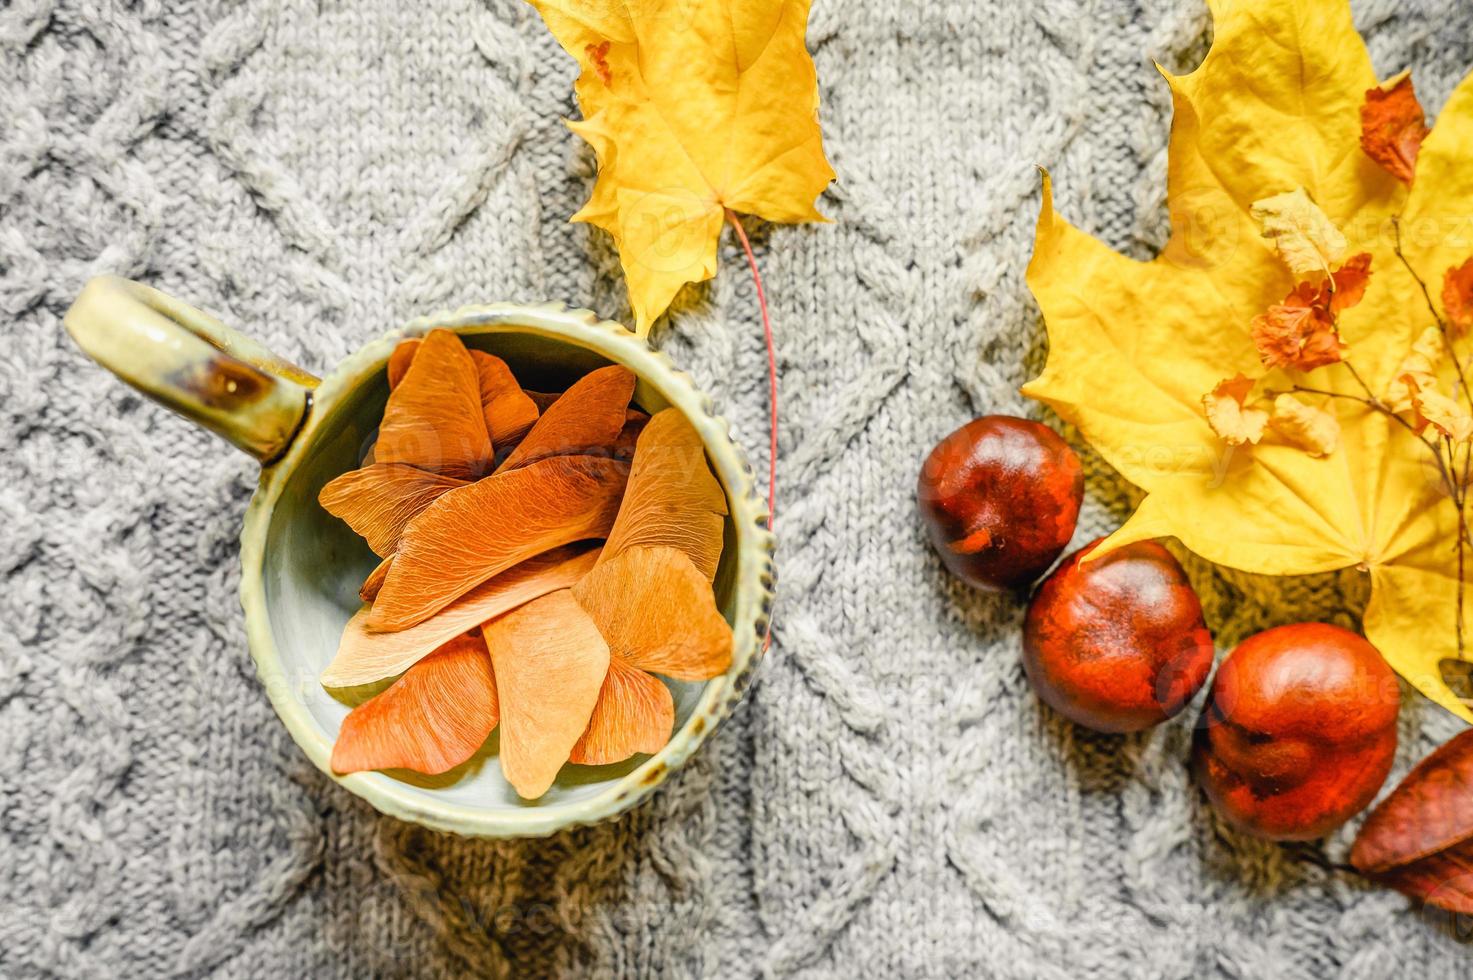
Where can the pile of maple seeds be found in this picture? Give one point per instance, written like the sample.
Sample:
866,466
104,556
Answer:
544,556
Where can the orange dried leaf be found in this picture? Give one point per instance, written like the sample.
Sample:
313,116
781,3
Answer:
586,419
509,412
1350,282
430,720
400,360
365,656
656,611
1393,125
1457,298
550,663
480,530
634,713
1298,333
375,580
379,500
1419,840
673,498
1224,407
433,420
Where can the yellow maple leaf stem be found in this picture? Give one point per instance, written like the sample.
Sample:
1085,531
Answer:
1447,339
736,224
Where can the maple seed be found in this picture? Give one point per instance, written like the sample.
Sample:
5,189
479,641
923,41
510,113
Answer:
550,662
379,500
430,720
476,531
433,420
401,358
375,581
999,498
634,713
365,655
672,499
655,610
508,411
1117,644
1299,731
587,419
657,613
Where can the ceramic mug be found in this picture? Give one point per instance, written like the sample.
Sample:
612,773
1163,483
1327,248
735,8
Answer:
301,567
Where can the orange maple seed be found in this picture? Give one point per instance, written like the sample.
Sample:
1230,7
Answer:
628,438
542,399
365,656
430,720
656,610
474,532
1393,126
509,412
375,581
673,499
1457,298
634,713
586,419
400,360
379,500
433,420
550,662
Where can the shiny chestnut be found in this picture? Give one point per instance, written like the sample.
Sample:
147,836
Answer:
1000,497
1299,732
1117,643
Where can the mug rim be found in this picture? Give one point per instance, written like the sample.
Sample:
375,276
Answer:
752,586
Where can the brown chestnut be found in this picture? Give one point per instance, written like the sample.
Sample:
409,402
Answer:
1000,497
1118,643
1299,731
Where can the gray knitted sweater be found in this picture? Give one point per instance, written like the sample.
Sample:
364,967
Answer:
891,800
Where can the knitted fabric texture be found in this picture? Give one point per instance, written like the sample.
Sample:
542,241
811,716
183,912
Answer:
891,800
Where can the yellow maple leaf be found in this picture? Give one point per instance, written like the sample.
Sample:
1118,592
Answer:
694,108
1134,344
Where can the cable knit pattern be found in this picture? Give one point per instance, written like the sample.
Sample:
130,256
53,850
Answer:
891,800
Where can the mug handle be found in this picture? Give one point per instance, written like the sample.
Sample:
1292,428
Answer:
190,362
